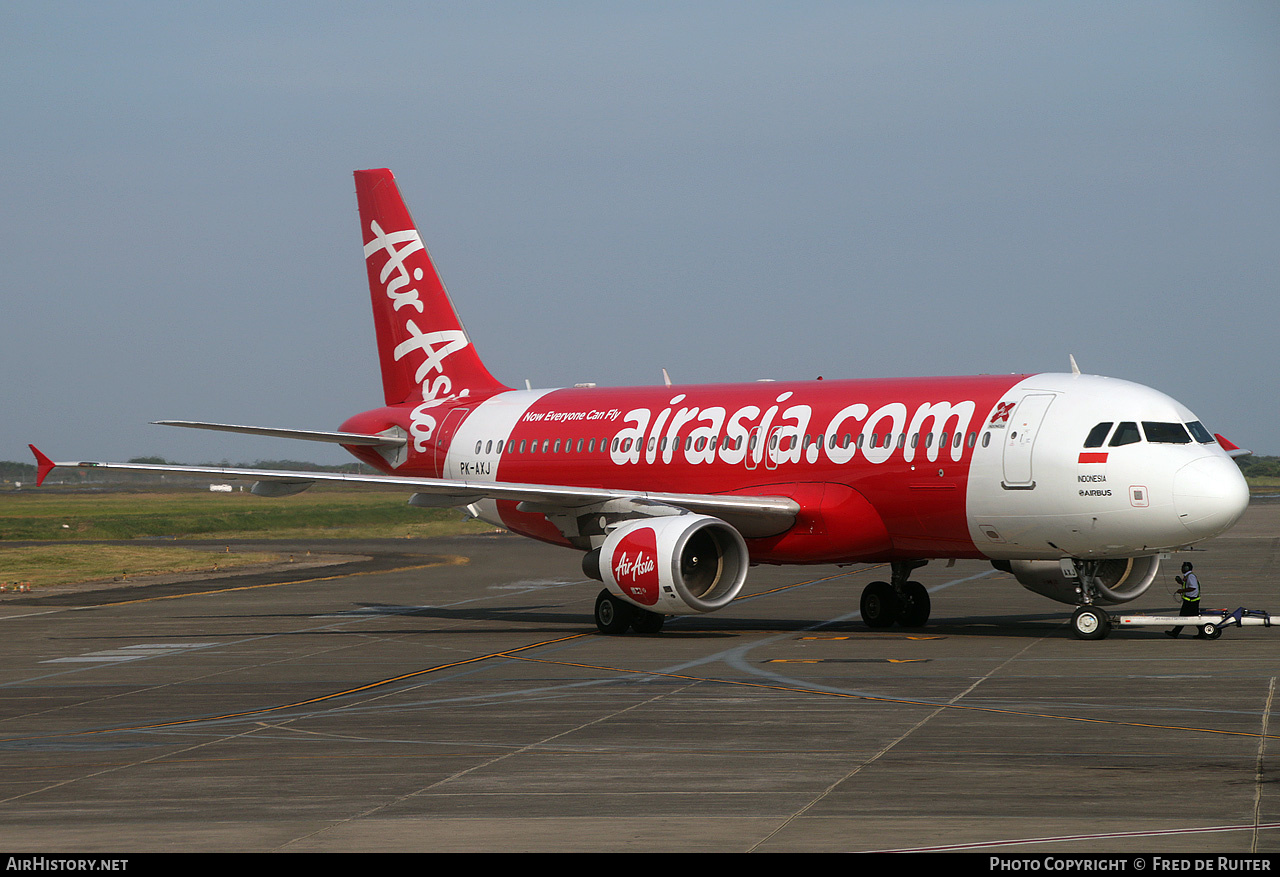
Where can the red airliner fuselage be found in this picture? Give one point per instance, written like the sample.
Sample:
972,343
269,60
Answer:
879,467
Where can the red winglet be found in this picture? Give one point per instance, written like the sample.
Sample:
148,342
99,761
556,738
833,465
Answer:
1232,450
43,465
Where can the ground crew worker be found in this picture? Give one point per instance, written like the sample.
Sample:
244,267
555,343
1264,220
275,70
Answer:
1190,593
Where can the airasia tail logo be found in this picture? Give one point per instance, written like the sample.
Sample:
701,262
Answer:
635,565
429,349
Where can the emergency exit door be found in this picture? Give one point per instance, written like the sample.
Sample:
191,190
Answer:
1020,440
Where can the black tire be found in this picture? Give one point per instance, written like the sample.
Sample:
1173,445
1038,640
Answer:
1090,622
880,605
646,622
915,605
613,614
1211,631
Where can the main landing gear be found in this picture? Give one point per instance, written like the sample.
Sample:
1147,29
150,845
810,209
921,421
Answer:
898,600
615,615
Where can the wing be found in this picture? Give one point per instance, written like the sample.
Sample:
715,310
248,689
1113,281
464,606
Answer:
751,515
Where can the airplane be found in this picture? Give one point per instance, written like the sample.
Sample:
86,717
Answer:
1075,484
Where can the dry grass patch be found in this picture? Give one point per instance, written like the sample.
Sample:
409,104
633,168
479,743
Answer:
46,566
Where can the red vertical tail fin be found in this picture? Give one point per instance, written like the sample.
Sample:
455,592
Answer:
424,350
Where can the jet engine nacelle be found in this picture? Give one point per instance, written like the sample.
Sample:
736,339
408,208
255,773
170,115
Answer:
1118,581
677,565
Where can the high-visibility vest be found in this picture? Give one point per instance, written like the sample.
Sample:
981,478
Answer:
1191,587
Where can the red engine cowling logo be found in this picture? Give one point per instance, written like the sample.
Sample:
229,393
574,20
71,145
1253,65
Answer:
635,565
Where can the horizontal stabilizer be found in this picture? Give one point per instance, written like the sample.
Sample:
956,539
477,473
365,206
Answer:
310,435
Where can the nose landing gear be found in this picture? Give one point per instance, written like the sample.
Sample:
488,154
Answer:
1090,622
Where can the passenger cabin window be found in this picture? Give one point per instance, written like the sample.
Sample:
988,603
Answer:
1199,433
1166,433
1098,434
1126,434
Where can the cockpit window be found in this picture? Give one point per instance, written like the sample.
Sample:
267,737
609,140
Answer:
1166,433
1126,434
1098,435
1200,433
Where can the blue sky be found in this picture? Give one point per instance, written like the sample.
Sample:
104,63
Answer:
728,190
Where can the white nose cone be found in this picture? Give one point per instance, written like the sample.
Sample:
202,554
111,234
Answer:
1209,495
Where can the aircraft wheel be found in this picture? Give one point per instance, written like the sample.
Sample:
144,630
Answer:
880,604
644,621
915,605
1211,631
1089,622
613,614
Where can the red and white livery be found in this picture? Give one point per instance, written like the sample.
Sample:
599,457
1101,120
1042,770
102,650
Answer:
1073,483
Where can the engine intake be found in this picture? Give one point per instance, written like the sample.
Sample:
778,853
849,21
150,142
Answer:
678,565
1118,580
